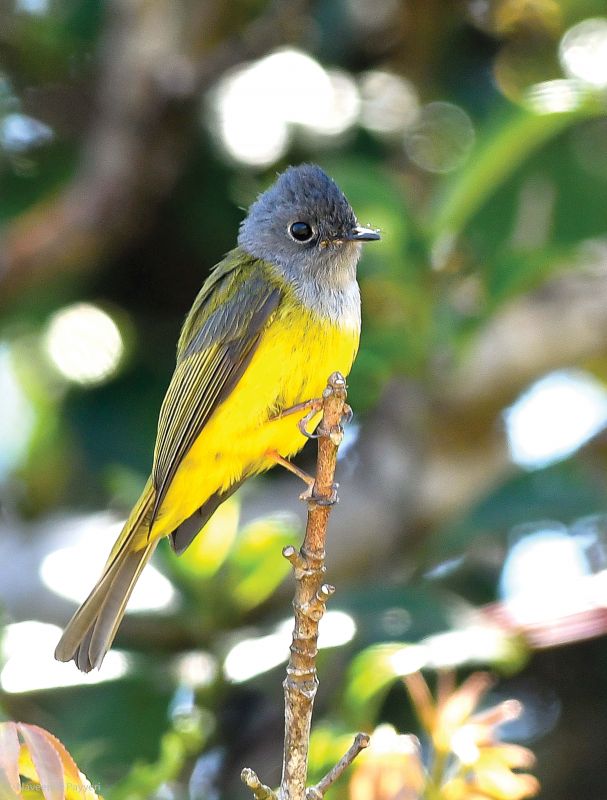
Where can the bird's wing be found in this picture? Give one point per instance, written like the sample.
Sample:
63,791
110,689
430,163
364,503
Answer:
218,340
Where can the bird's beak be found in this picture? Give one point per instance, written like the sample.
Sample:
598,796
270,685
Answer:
359,234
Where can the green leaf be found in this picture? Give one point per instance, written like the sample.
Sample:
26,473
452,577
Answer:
370,676
144,780
498,154
256,565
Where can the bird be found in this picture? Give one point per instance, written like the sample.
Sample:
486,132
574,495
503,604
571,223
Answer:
274,318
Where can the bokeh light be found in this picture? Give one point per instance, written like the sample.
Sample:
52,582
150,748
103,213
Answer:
253,656
389,103
555,417
441,138
385,739
298,83
555,97
247,121
81,562
339,107
29,665
583,52
473,643
536,594
372,15
32,6
18,133
196,669
84,344
254,108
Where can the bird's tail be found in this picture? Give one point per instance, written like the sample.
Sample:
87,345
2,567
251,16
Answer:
89,634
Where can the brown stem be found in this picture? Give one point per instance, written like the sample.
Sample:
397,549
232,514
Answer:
311,594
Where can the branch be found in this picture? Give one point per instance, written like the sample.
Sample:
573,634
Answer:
361,741
157,58
311,595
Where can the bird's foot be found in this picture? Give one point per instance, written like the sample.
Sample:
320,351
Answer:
312,407
312,499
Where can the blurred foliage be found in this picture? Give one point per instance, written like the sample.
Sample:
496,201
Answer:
467,760
175,748
480,150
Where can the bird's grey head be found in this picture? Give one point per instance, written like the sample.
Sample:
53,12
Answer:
304,225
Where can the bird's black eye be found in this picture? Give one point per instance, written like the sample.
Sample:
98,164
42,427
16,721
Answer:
301,231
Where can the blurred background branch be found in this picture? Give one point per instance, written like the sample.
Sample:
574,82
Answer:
155,60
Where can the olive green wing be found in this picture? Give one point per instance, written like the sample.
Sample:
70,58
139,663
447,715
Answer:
218,340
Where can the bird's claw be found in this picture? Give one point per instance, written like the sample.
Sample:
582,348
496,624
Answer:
311,498
303,422
307,493
314,407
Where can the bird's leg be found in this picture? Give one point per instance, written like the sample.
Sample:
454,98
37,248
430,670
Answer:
307,479
315,405
303,422
308,493
312,407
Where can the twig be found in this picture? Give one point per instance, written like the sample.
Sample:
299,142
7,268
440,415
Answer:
361,741
259,789
311,595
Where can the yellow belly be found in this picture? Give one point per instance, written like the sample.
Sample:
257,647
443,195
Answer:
294,358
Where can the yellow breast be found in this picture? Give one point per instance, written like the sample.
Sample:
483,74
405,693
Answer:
296,354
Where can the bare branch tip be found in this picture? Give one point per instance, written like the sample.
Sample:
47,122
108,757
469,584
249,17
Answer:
336,386
337,436
325,591
296,559
248,777
337,381
361,741
260,791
